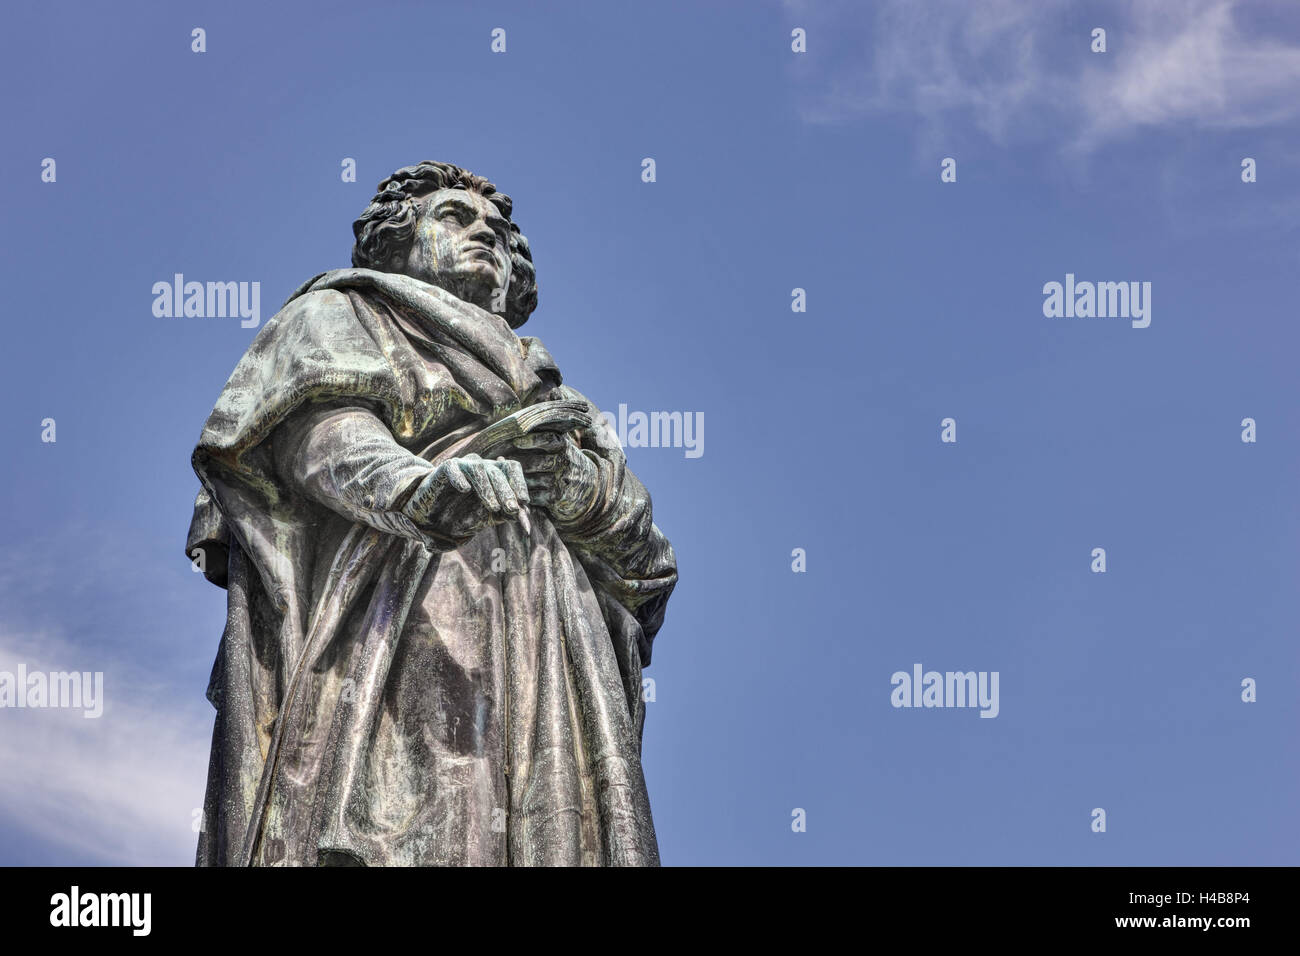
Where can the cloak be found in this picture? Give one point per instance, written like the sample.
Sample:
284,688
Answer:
384,697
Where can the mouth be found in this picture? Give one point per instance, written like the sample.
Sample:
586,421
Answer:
480,252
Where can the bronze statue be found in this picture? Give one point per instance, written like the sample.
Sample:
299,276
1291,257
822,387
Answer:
443,580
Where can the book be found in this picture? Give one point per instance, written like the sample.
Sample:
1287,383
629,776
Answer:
558,416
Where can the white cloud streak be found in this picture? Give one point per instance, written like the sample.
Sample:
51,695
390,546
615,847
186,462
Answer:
119,789
1019,70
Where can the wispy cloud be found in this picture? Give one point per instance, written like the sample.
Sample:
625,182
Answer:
1192,65
120,788
117,789
1016,70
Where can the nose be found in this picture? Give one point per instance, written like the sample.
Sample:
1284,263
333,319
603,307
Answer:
481,232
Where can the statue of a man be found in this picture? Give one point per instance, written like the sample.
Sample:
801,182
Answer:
431,656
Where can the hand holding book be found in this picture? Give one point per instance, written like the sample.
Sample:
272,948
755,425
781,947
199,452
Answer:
534,455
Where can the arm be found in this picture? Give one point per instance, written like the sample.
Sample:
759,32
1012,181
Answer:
601,509
346,459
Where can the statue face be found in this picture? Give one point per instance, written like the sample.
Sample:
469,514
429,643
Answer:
461,244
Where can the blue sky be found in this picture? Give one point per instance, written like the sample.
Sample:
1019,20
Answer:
776,170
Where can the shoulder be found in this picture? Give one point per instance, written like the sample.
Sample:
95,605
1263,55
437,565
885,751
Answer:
323,305
312,322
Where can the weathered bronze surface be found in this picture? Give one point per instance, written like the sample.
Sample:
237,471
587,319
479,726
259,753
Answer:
435,635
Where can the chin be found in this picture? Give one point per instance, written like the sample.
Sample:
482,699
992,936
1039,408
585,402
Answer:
488,279
477,287
488,271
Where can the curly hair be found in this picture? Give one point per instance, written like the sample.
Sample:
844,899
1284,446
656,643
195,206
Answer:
387,226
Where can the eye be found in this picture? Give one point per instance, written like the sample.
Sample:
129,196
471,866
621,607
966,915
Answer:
453,213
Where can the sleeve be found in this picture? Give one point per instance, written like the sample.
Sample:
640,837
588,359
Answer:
623,550
346,459
208,543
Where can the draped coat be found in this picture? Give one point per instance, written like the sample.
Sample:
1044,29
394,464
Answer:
384,696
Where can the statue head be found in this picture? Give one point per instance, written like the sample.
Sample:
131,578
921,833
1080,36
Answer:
442,224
